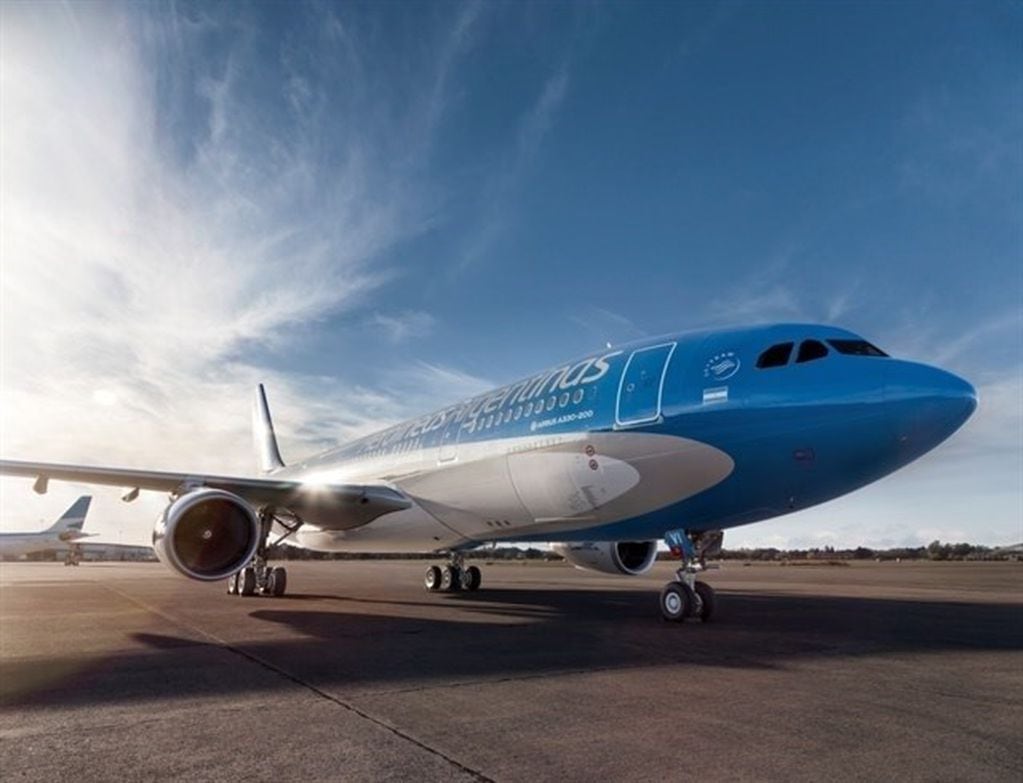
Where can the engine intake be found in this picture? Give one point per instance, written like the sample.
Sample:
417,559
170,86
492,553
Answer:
207,534
630,558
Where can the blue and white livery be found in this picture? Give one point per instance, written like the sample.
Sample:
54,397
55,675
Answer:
676,438
65,533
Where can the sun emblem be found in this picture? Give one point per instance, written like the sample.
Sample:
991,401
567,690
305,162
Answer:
722,366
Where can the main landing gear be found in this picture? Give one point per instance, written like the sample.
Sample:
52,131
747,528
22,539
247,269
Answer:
685,597
258,577
453,577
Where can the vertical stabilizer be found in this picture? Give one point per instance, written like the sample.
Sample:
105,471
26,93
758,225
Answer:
74,517
263,434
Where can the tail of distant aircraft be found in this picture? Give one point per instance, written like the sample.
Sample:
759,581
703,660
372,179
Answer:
71,521
263,434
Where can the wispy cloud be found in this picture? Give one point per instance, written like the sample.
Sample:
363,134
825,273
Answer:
957,152
459,39
157,223
1004,327
400,327
502,187
606,325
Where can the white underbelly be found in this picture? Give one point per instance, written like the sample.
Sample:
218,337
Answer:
531,486
583,480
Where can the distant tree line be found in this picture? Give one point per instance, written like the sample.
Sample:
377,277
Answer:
936,550
284,552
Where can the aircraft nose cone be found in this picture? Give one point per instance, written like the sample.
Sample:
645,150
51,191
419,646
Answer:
931,405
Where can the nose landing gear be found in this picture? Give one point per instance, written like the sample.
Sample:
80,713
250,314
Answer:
685,597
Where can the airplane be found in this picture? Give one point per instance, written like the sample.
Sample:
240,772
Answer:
674,438
65,532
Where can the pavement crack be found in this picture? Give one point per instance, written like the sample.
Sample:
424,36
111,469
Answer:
280,672
476,774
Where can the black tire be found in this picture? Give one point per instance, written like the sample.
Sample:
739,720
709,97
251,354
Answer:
450,579
279,582
432,580
471,578
677,601
707,602
232,584
247,581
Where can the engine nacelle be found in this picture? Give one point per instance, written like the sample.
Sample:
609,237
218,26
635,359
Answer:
630,558
207,534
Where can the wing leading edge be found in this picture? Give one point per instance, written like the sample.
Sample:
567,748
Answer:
329,506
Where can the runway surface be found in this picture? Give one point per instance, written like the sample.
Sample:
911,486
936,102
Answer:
874,671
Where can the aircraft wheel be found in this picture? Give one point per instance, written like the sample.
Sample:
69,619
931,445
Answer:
708,602
277,582
471,578
232,584
246,581
433,578
677,601
450,578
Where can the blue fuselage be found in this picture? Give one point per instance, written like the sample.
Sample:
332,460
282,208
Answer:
796,414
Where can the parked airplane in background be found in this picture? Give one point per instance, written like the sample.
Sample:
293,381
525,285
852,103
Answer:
64,533
673,438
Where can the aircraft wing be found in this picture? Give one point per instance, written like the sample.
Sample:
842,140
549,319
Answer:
331,506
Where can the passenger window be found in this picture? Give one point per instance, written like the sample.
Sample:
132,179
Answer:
563,400
775,356
518,413
577,396
809,350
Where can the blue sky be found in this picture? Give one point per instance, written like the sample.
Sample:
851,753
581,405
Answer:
378,208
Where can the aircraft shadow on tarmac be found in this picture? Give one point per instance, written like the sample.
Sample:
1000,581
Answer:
502,634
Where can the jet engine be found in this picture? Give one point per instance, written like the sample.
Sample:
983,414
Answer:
207,534
631,558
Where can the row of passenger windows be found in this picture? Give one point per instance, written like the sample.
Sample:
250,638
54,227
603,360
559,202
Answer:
809,350
529,409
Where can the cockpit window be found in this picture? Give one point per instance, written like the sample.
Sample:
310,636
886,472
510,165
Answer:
775,356
810,350
856,348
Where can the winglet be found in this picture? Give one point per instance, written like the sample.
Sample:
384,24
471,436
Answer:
263,434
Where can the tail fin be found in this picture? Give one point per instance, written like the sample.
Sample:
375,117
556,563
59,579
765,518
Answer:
263,434
74,517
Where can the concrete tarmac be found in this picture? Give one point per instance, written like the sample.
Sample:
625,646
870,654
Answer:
908,671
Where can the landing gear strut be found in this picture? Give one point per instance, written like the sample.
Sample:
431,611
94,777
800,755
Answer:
453,577
258,577
685,597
